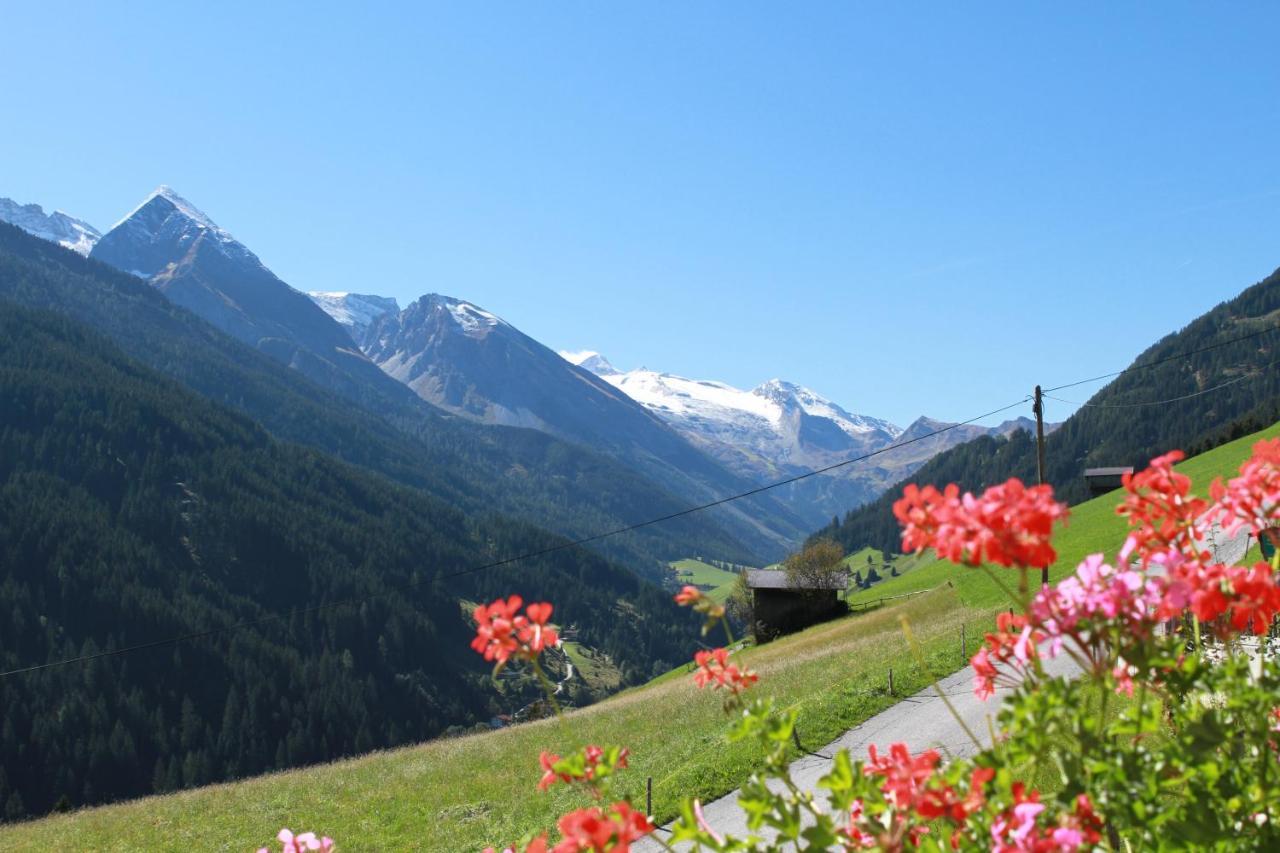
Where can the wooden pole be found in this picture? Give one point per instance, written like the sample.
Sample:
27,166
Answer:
648,796
1038,408
890,681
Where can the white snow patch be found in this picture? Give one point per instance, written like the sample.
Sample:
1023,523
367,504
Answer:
56,227
472,319
763,420
354,310
589,360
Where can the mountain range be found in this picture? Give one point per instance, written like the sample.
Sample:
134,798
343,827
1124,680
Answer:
697,439
182,253
779,429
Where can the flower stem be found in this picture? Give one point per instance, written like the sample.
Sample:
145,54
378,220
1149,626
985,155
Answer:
1021,601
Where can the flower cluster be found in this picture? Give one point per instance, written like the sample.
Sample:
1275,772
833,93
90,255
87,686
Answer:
1104,610
290,843
502,632
599,830
1009,524
593,830
917,796
1016,829
1162,512
589,765
1169,525
1014,642
1252,499
714,669
907,787
1097,591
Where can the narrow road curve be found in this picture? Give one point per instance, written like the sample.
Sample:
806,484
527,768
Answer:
921,722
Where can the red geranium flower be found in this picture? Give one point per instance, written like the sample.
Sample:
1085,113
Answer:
714,669
688,595
496,627
1009,524
597,830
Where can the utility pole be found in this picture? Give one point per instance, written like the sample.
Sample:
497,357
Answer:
1038,408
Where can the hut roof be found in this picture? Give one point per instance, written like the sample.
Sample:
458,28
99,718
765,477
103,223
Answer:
777,579
1108,472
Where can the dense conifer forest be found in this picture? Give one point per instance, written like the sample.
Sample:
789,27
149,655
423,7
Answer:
1134,418
522,473
132,509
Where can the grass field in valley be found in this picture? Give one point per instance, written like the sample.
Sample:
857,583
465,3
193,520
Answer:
716,582
464,793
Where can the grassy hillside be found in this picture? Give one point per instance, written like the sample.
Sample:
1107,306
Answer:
1092,527
460,794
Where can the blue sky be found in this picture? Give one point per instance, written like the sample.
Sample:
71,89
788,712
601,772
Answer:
916,209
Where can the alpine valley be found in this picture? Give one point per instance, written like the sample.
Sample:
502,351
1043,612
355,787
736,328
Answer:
189,445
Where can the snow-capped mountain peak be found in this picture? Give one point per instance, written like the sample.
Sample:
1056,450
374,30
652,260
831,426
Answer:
778,421
354,311
164,226
789,395
57,227
590,360
179,204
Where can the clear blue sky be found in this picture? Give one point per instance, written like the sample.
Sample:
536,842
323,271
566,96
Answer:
910,210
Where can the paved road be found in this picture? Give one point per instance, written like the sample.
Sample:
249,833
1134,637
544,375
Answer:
921,722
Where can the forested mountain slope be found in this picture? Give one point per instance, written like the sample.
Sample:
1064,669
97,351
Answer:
198,265
523,473
132,510
1161,402
472,363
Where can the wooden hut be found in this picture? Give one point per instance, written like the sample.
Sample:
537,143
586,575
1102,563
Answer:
1103,480
780,606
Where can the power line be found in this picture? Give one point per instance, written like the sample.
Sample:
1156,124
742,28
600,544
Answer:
1166,359
303,611
1229,382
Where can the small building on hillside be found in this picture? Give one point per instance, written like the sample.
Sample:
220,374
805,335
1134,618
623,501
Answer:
1103,480
780,606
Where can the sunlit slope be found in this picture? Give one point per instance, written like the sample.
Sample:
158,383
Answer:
1092,527
461,794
